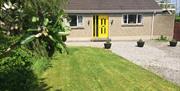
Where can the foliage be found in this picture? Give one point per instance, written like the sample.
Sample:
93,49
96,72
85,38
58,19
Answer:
16,72
6,40
162,38
11,17
20,71
41,21
36,25
177,19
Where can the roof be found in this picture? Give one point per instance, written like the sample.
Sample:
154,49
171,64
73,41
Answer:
112,6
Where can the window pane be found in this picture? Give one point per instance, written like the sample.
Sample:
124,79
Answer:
80,20
125,18
139,18
73,20
131,19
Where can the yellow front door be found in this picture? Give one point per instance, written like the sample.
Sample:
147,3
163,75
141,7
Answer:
103,26
100,27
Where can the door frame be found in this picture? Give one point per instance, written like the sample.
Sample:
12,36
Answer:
95,29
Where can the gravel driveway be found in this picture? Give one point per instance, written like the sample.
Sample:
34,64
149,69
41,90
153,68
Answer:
155,56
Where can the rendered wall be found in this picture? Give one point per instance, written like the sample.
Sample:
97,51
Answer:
85,30
119,31
163,25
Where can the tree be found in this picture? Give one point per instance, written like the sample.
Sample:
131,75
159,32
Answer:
36,22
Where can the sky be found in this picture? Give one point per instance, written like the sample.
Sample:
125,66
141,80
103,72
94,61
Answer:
178,5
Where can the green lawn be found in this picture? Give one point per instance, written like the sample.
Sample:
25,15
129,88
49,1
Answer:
94,69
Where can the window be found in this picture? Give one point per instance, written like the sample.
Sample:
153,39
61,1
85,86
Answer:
76,20
132,19
139,18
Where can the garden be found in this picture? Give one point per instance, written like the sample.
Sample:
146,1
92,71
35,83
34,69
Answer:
31,32
34,56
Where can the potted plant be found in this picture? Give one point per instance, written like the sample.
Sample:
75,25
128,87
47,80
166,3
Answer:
107,44
173,43
140,43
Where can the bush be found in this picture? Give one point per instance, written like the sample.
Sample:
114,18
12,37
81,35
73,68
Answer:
5,40
16,72
35,20
20,71
177,19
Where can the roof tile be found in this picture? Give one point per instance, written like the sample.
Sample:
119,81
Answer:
112,5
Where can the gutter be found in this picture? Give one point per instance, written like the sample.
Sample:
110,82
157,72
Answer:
113,11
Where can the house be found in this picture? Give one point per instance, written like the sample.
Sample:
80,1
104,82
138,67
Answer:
118,20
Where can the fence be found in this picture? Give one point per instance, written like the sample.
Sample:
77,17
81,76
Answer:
177,31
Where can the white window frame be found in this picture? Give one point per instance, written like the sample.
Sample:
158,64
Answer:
132,23
77,21
79,24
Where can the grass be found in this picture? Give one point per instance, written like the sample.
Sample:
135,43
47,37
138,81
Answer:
40,64
94,69
177,19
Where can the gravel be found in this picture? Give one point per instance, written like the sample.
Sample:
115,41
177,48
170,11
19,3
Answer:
155,56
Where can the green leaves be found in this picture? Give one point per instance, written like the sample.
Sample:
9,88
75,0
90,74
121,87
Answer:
50,37
40,20
35,19
33,30
64,33
46,21
28,39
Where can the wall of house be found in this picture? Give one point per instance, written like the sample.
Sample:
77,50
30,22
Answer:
118,31
84,32
163,25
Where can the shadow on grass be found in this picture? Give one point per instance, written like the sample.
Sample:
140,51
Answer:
16,74
42,86
20,78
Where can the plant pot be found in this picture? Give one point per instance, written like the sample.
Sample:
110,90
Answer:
140,44
107,45
173,44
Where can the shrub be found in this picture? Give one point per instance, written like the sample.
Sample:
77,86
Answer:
33,20
16,72
5,40
21,71
177,19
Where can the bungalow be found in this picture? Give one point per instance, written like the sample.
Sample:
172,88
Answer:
118,20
